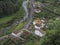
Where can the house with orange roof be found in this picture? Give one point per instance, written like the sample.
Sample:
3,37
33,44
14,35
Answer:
38,24
37,21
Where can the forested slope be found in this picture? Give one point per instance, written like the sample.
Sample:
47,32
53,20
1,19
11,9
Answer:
8,7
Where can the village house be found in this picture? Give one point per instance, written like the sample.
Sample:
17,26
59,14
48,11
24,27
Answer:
37,7
37,10
39,24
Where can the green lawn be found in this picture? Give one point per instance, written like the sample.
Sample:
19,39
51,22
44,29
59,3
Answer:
6,19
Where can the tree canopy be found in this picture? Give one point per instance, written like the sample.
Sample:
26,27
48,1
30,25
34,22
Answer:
8,7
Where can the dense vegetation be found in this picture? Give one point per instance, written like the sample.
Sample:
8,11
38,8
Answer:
8,7
50,9
7,21
52,36
8,18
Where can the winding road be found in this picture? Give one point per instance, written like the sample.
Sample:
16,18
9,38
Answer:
30,15
27,15
15,22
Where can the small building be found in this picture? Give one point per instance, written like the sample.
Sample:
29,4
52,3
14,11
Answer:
37,27
37,10
39,33
36,4
37,21
42,25
39,24
37,7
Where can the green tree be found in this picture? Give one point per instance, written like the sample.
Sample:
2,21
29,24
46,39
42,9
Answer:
52,38
8,7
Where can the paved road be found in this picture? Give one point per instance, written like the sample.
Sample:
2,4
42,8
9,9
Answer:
30,15
25,8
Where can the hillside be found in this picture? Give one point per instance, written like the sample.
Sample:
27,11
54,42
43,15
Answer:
30,22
